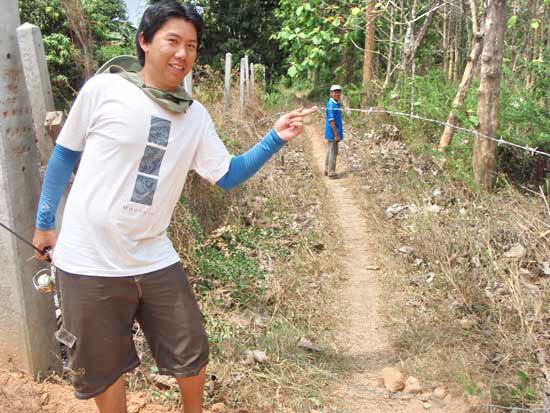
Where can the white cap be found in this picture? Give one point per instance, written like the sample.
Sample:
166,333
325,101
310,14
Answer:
335,87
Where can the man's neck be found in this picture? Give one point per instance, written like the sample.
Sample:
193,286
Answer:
150,81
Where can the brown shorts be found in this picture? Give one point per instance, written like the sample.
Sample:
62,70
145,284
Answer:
98,315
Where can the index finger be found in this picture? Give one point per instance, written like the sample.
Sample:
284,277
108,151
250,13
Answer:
303,112
307,112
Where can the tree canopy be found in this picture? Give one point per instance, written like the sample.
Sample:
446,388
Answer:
111,35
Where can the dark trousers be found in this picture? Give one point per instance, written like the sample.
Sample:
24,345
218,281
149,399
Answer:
330,161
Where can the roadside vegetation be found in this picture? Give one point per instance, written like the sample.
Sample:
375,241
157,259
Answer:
470,281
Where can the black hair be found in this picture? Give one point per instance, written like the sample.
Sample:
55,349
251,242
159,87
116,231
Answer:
158,13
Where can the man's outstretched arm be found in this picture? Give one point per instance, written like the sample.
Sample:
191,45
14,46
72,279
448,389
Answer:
244,166
247,164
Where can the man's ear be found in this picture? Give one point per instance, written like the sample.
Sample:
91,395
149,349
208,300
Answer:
142,43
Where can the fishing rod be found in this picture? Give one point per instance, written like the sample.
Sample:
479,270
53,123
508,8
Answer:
43,252
44,279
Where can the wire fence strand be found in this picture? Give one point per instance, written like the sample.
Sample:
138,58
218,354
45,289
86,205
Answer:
515,409
499,141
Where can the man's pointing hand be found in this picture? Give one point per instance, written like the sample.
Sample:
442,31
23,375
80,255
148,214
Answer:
291,124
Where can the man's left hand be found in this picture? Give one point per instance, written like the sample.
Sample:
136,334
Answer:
291,124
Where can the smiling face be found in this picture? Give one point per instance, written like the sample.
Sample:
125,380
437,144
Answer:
170,55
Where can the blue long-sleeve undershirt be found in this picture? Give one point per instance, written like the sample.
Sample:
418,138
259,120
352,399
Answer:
244,166
59,170
63,160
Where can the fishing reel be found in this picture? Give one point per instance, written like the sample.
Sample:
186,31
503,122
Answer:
44,279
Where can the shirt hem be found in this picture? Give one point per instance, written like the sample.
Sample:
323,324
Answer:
116,273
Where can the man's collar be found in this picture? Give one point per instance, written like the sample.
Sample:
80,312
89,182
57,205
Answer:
335,101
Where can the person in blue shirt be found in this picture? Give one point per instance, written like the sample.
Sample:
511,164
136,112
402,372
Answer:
334,131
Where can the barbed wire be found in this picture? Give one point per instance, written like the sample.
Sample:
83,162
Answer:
249,124
499,141
516,409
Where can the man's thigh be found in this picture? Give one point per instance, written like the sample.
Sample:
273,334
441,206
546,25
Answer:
97,318
172,322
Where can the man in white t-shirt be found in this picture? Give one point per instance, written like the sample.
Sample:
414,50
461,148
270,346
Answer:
138,134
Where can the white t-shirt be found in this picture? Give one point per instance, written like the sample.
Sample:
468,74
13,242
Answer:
136,156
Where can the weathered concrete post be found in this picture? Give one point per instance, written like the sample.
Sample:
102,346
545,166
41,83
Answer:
39,88
227,80
27,320
247,78
188,83
241,80
251,79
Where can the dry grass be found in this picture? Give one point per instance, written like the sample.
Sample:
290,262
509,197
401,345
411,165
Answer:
465,313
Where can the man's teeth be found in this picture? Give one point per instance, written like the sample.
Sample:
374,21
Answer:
177,67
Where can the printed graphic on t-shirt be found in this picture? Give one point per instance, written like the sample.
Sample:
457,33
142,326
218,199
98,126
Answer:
152,158
149,166
159,132
144,190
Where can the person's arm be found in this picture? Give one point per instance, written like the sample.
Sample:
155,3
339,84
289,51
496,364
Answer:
334,131
244,166
247,164
56,178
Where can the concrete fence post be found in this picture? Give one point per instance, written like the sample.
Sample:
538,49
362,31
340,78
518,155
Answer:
247,78
227,89
251,79
27,319
37,80
241,81
188,83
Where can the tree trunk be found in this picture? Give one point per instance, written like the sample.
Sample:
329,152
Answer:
530,42
484,156
456,46
368,58
390,51
414,40
536,41
445,39
447,136
80,27
450,42
449,131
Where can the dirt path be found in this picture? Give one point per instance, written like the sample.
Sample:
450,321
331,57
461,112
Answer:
363,340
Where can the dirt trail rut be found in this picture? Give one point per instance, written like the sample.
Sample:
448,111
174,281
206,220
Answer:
363,341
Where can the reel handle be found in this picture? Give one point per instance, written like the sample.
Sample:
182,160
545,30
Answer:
47,252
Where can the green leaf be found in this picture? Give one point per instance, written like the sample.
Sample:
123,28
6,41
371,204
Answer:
292,71
535,23
336,23
512,21
299,10
336,40
355,11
